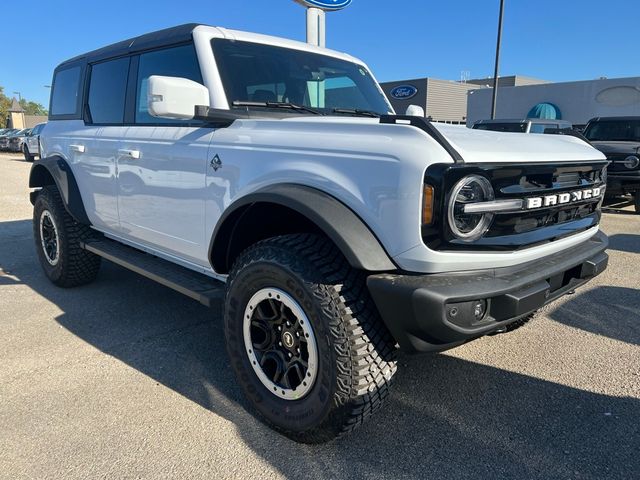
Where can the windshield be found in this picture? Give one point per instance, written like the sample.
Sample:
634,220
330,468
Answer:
253,72
502,127
613,131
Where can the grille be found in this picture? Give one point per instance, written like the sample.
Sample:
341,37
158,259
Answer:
525,228
617,160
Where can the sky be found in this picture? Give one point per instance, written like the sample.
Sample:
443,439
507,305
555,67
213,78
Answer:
557,40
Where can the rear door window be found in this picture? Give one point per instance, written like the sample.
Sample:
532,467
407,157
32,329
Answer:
108,90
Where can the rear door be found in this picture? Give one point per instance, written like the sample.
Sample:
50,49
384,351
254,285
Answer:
162,164
104,116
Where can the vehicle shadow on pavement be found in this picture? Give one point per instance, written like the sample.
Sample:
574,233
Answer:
625,242
446,418
612,312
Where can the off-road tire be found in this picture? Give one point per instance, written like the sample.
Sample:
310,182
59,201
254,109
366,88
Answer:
27,156
75,266
356,353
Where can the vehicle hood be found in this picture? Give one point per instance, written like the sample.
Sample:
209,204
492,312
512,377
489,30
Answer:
613,148
488,146
478,146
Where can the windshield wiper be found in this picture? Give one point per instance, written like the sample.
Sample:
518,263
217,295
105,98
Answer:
356,111
287,105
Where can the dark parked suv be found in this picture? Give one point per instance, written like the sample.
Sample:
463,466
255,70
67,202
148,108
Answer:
619,139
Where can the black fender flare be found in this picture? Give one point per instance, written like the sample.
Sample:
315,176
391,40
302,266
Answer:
338,222
57,169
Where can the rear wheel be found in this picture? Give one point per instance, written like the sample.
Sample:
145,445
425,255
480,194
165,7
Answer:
58,237
305,341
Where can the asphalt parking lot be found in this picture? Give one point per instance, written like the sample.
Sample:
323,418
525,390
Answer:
124,378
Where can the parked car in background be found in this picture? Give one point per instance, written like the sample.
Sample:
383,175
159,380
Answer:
16,140
619,139
4,138
31,145
526,125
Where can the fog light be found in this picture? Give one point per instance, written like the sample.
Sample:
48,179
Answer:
479,309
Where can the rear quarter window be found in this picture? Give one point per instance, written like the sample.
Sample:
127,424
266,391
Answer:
66,92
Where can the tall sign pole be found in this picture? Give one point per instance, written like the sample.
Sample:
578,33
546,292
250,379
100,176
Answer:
316,21
496,71
316,27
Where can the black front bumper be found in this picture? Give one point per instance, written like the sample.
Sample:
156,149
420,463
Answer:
440,311
623,182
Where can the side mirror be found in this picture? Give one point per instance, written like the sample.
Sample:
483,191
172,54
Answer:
415,111
174,97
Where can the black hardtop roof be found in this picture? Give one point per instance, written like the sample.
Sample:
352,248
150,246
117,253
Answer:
615,119
159,38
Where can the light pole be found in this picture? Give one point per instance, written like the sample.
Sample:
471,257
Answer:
19,95
497,68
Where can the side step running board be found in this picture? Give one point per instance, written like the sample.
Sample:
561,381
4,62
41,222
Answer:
198,286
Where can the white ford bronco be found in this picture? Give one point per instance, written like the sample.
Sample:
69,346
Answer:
275,176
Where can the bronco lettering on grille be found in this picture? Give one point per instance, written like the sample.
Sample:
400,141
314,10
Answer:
562,198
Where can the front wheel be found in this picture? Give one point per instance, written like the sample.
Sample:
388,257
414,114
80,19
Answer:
27,155
304,338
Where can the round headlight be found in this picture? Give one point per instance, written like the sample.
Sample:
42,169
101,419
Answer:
470,226
631,162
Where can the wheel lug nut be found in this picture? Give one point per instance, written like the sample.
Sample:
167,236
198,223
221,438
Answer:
280,344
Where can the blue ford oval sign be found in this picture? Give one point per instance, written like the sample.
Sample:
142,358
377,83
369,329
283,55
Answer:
325,4
404,92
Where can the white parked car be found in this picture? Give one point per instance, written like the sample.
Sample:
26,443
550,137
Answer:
276,175
31,143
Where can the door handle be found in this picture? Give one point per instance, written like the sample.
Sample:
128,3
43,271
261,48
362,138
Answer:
135,154
77,148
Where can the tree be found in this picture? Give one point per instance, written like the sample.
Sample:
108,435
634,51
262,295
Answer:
5,105
32,108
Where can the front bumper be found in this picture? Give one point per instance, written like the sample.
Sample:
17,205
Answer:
437,312
623,182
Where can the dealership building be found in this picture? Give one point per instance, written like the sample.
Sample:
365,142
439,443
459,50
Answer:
576,102
444,100
518,97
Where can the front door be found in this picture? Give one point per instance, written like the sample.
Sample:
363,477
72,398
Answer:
161,188
162,165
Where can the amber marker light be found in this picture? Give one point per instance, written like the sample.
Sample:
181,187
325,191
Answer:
427,204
